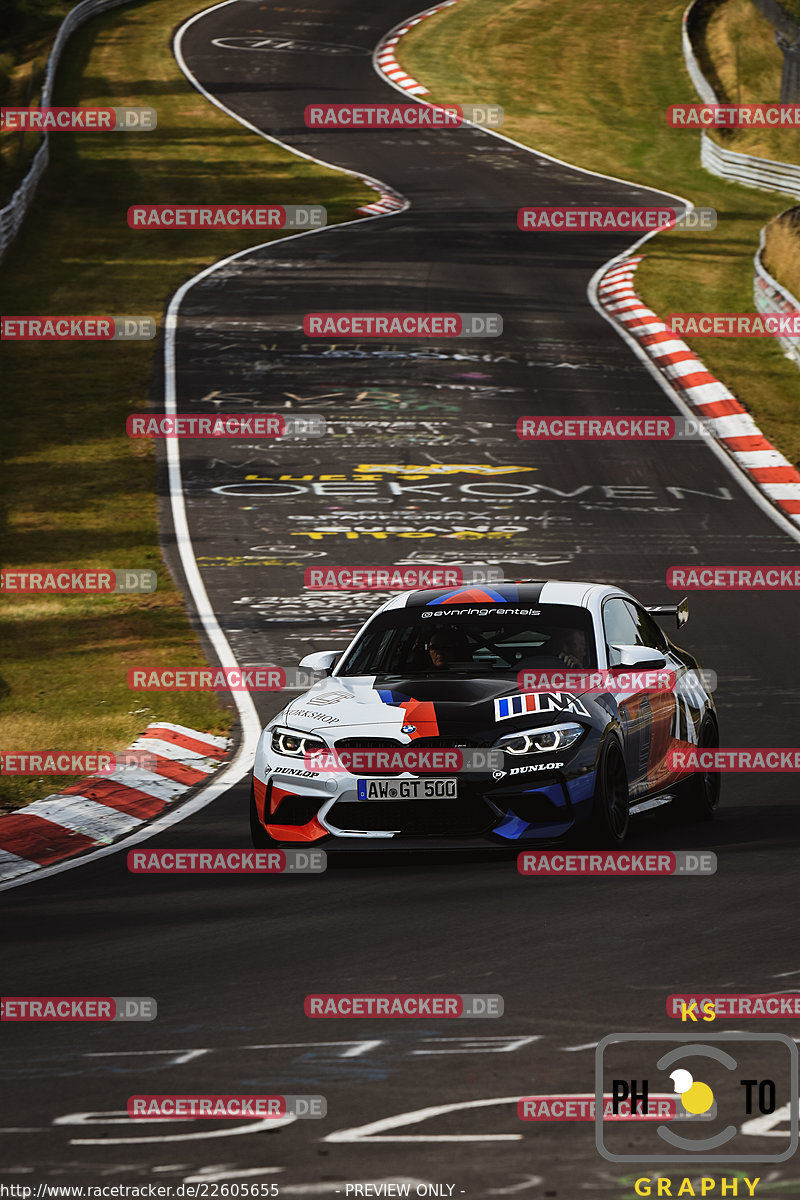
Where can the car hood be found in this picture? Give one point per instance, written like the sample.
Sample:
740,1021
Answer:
433,706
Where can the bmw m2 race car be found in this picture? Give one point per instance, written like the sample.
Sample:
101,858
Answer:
452,670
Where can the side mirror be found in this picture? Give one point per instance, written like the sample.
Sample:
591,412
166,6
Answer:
635,657
321,660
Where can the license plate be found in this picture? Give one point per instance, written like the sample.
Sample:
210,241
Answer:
407,789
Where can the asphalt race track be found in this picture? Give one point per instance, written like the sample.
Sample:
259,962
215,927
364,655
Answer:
417,436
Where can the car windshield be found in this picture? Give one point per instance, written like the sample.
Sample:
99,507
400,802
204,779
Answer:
412,642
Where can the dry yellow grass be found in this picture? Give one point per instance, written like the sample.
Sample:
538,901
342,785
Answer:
741,45
781,254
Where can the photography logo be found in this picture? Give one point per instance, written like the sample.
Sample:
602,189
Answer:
720,1082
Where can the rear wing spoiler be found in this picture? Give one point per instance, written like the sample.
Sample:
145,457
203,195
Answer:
679,611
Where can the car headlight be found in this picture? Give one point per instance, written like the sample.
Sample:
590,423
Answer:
542,741
294,744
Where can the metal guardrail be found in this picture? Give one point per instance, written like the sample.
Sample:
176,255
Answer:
769,296
701,85
748,169
13,214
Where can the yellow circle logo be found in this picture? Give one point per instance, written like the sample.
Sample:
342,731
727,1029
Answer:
696,1098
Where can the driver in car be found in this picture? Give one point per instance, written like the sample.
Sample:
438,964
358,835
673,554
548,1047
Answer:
447,646
573,647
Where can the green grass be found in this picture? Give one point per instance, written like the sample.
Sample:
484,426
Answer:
78,492
589,82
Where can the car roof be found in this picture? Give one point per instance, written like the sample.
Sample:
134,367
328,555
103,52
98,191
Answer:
526,591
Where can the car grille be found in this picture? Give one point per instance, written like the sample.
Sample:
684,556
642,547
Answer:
457,818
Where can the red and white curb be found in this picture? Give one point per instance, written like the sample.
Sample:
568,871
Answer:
387,202
725,417
385,53
103,808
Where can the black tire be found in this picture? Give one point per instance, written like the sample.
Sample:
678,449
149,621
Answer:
700,796
611,806
258,834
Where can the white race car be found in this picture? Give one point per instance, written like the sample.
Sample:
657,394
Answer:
586,747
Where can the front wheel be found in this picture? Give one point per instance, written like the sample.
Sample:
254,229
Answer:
611,807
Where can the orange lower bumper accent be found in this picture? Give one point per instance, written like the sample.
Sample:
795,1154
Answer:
311,832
